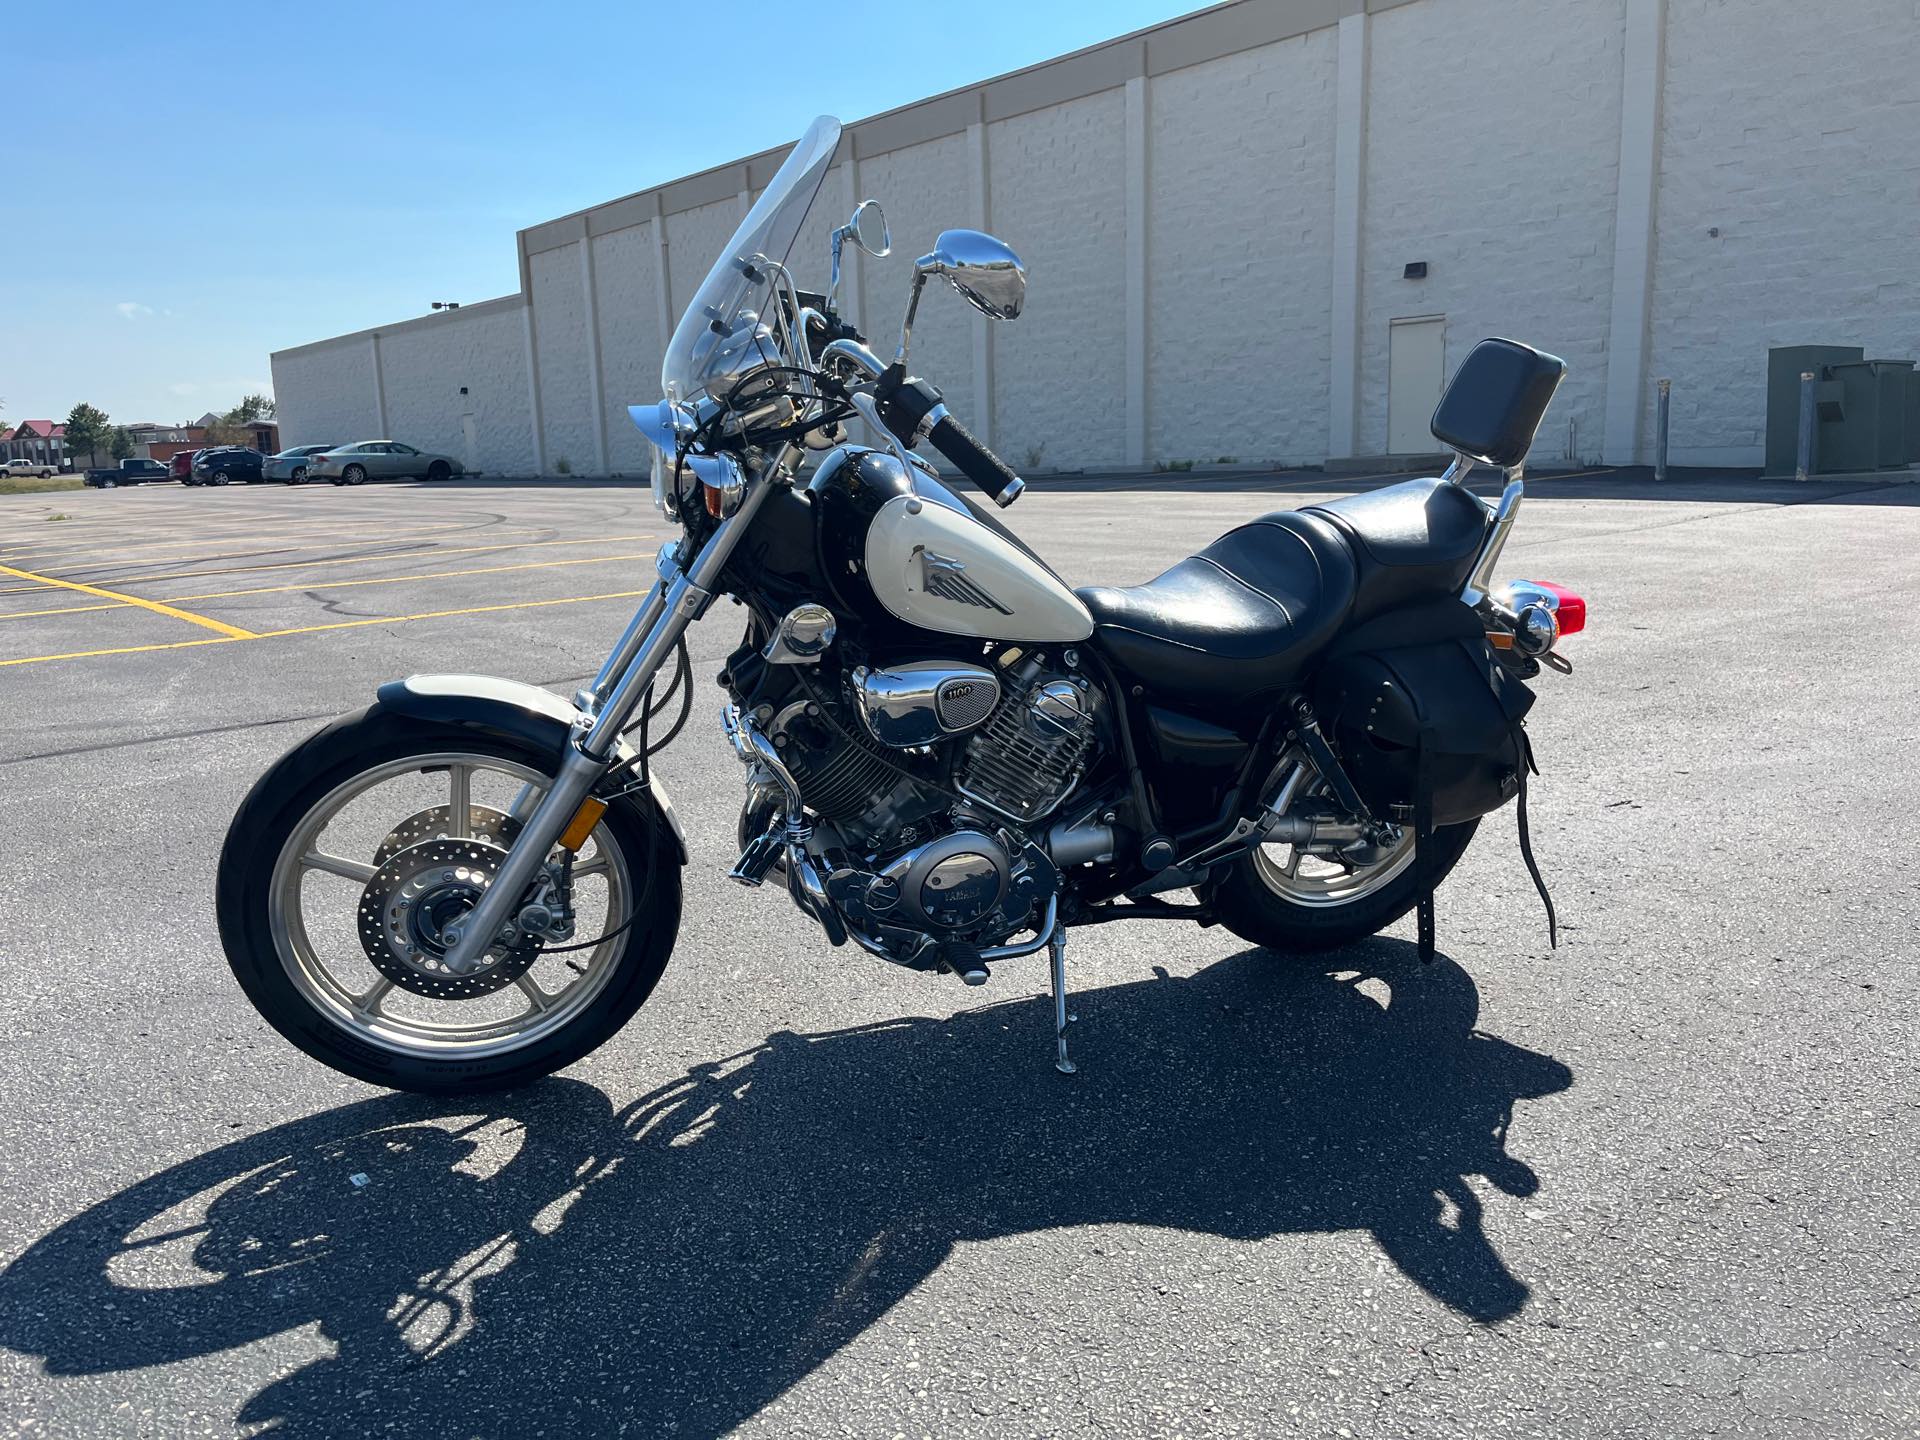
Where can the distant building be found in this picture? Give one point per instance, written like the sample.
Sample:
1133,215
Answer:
40,441
1270,231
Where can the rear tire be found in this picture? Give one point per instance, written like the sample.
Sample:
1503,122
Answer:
354,475
299,475
1249,904
273,814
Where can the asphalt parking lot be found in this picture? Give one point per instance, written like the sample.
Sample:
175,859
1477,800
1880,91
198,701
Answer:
1660,1181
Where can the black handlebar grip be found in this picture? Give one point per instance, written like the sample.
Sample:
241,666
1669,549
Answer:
976,461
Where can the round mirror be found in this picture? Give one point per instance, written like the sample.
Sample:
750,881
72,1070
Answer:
869,228
981,268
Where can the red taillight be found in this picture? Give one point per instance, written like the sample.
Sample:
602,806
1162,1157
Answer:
1571,613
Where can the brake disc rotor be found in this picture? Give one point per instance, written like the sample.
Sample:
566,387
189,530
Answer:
413,897
483,823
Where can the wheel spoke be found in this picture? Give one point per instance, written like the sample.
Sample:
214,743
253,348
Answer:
596,866
1292,868
369,1003
355,870
538,1000
459,801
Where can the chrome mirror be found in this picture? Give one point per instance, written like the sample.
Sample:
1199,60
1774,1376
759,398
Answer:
984,270
867,228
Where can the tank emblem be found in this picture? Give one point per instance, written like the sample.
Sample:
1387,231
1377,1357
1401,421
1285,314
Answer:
947,579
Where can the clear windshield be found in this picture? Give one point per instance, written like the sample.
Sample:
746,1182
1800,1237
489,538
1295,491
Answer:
730,328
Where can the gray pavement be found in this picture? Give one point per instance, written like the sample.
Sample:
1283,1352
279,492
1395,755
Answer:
1658,1182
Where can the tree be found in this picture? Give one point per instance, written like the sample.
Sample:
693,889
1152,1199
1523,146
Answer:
87,429
122,444
236,426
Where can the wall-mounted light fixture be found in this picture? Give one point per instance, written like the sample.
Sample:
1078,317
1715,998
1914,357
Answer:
1416,270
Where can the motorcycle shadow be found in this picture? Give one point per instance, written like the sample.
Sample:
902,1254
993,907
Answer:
538,1261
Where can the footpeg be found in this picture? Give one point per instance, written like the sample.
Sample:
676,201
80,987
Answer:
759,857
963,960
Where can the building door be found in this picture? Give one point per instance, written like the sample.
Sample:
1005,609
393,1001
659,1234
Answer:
471,458
1416,373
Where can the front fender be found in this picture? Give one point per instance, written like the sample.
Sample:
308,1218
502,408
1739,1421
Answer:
509,710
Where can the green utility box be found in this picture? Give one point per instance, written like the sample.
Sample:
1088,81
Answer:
1785,365
1873,434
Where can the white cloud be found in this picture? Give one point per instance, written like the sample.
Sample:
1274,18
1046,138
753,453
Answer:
182,387
133,309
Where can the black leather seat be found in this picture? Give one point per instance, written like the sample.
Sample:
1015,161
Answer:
1412,541
1239,621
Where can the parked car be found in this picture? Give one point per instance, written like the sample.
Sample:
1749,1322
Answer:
35,469
226,464
181,466
291,465
380,460
127,472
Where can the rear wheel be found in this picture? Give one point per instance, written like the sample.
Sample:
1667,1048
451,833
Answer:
349,859
1290,899
354,475
299,475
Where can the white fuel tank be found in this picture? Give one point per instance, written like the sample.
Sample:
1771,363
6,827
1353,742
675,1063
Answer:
943,570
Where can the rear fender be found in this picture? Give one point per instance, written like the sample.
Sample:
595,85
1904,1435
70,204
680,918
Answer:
513,711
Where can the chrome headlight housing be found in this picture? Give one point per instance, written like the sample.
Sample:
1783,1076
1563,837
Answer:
667,427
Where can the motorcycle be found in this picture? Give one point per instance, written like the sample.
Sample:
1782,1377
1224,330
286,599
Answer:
952,757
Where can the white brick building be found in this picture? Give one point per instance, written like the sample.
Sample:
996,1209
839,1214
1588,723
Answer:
1218,217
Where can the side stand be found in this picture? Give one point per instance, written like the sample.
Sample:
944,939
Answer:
1057,950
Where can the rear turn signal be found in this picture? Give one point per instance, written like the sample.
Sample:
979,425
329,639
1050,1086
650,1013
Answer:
1568,608
1569,611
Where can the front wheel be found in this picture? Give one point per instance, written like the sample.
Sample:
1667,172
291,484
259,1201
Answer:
350,858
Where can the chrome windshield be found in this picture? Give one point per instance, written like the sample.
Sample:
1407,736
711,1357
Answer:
733,325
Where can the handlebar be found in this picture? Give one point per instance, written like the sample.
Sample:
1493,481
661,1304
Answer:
912,409
976,461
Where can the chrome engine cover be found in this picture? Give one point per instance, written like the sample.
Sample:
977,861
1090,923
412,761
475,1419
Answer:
948,884
916,704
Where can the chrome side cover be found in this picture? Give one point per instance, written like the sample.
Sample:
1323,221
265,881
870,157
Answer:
917,704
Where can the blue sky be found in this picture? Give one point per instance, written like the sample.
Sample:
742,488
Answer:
218,182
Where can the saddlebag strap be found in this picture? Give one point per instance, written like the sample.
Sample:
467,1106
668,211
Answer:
1526,841
1423,845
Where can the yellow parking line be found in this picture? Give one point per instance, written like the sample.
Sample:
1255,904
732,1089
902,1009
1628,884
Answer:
341,584
70,554
232,632
314,629
442,614
347,559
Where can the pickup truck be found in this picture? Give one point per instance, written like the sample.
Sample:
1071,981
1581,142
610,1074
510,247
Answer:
33,469
127,472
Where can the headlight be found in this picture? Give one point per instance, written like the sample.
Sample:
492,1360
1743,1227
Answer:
663,497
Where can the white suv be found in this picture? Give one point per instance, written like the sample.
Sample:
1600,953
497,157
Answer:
34,468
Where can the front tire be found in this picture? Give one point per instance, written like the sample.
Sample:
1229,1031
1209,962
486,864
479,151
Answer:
444,1046
439,470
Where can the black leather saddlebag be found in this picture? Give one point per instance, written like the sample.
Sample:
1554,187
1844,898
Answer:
1418,694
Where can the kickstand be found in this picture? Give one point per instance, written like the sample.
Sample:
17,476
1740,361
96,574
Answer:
1057,948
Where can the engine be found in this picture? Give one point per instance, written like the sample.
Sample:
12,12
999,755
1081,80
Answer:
928,779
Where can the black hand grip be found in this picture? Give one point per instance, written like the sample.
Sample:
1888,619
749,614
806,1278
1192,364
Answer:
976,461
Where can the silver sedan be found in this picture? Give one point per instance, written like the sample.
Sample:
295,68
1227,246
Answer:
380,460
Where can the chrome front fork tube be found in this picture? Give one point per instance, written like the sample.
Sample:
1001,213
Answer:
606,706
